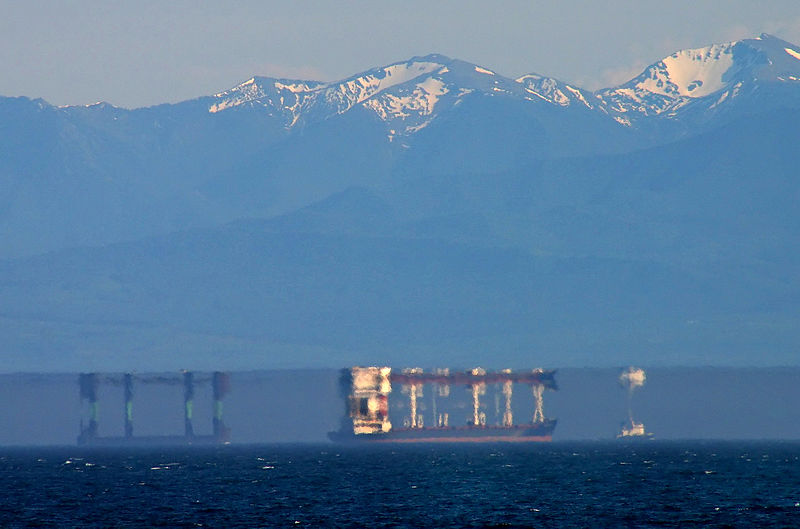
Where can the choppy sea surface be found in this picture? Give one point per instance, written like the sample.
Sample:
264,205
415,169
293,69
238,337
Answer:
650,484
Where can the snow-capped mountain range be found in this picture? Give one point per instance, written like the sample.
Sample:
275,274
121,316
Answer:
407,96
269,146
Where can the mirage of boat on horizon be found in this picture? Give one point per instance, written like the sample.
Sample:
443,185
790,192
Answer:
370,406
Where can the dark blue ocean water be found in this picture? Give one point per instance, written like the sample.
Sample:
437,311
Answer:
652,484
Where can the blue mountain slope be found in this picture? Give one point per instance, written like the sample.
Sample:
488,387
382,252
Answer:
587,261
352,299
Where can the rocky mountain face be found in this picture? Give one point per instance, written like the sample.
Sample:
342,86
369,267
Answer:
426,207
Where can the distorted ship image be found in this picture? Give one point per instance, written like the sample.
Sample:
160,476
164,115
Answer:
630,379
634,430
90,428
432,410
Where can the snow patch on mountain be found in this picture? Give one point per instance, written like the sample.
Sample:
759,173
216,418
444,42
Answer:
247,91
411,106
349,93
296,87
421,100
556,92
793,53
283,97
692,73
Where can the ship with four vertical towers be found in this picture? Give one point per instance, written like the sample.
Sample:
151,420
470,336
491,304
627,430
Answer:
372,402
89,384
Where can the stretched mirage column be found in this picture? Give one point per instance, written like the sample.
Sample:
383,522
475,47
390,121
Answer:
221,383
127,382
88,389
188,403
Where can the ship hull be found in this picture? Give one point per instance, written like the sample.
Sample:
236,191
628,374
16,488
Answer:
159,440
538,433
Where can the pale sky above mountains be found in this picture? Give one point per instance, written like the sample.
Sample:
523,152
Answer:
148,52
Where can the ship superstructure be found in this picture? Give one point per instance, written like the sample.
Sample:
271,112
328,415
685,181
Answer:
442,405
630,379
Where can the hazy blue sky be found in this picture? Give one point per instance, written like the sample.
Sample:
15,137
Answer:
147,52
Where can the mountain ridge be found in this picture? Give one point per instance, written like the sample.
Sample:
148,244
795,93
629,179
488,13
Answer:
663,87
684,74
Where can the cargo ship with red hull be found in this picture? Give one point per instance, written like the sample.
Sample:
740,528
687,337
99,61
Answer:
530,433
432,410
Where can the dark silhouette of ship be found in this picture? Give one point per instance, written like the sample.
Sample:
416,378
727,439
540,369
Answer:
89,430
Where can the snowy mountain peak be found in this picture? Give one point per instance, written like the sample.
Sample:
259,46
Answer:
291,98
556,92
674,81
718,71
349,92
693,73
405,95
781,59
281,97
